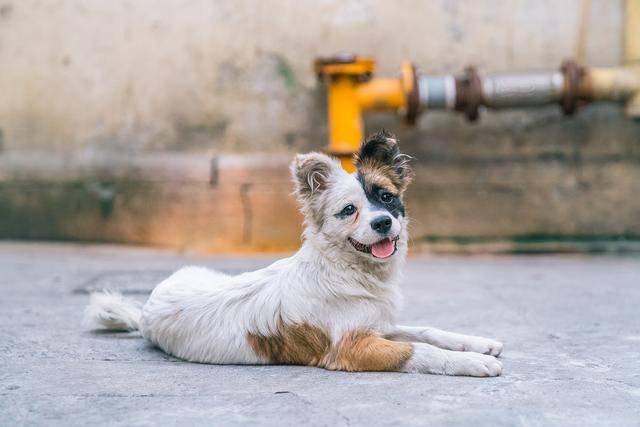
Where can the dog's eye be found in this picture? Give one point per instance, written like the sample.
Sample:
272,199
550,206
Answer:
348,210
386,197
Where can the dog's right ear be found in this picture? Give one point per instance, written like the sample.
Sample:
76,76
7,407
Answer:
380,155
311,174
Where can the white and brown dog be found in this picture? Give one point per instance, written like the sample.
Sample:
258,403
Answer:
332,304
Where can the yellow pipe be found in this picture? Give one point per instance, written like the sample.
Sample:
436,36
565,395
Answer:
345,119
632,51
347,100
381,94
632,33
351,92
611,84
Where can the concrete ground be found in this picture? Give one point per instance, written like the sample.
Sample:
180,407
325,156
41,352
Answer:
570,324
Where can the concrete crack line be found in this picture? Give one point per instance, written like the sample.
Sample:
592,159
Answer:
322,407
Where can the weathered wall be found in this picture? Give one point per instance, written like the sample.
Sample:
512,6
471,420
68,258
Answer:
92,86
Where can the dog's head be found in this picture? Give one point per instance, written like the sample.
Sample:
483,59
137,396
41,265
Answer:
359,215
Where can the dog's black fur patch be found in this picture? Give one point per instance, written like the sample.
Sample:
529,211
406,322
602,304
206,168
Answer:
383,169
374,195
381,150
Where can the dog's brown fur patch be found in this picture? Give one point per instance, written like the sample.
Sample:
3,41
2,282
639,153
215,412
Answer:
376,173
380,161
296,345
362,350
359,350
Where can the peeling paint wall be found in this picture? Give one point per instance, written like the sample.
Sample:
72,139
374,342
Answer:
93,79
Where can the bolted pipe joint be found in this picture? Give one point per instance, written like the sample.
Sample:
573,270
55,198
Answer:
570,87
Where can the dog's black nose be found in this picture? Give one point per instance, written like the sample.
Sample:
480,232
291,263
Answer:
382,224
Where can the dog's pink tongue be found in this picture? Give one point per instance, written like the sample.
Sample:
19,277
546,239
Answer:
383,249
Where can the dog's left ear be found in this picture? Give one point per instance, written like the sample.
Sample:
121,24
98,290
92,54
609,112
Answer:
380,152
311,174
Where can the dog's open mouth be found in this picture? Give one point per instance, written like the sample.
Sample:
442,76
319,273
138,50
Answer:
382,249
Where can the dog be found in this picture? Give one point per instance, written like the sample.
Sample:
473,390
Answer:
330,305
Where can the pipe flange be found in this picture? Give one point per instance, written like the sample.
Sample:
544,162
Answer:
469,93
346,64
412,92
338,58
573,75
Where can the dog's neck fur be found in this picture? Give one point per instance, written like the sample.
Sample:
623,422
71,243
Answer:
353,267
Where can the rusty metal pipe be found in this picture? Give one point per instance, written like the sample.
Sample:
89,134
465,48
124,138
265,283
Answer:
522,90
496,91
470,91
572,86
353,90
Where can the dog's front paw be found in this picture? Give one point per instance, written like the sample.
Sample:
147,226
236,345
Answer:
473,365
484,346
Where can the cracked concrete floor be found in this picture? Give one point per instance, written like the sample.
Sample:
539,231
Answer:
570,324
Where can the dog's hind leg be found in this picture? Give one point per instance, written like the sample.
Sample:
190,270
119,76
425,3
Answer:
445,340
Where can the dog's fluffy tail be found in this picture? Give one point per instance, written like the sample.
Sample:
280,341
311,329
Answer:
110,311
